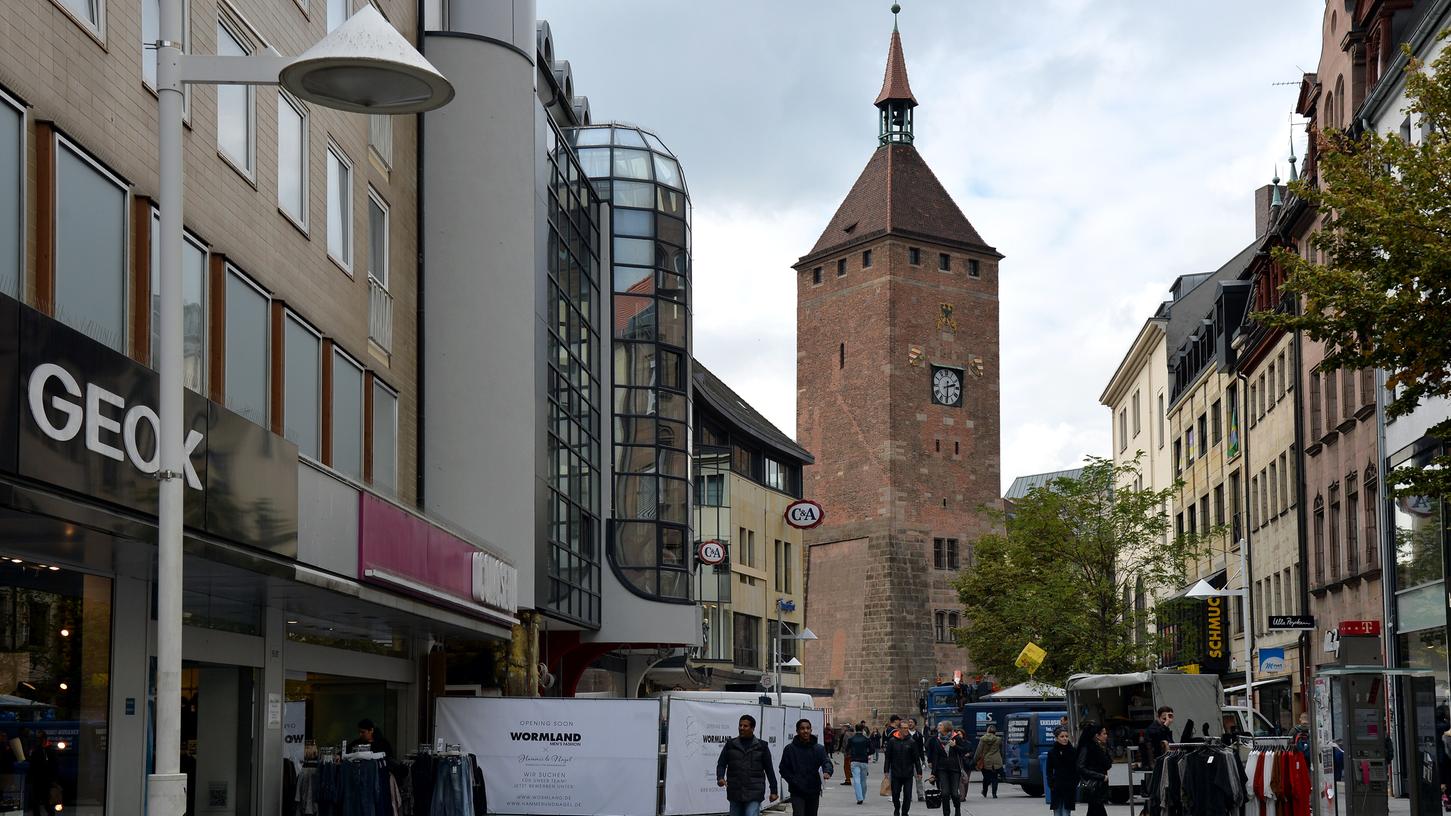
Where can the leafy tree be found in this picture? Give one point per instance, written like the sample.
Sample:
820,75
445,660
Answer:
1382,299
1062,572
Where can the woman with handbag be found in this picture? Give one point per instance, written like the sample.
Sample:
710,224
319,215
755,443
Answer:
990,760
1061,774
946,754
1094,761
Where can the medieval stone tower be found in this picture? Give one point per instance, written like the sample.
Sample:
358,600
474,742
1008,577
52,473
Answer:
897,396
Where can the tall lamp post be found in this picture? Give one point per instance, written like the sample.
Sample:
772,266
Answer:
364,66
1203,589
785,605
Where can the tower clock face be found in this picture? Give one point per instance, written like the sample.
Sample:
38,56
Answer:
946,386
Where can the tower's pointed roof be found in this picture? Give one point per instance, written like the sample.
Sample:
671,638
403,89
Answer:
898,193
894,83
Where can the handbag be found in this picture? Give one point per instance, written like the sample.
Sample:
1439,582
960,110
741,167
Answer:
1092,790
886,783
933,798
980,761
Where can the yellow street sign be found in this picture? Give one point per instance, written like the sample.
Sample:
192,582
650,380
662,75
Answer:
1031,657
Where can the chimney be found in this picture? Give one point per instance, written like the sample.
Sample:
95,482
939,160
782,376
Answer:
1264,197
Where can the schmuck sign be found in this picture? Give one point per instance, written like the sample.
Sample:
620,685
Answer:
804,514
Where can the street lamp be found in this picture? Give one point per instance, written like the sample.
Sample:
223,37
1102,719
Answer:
364,66
1203,589
786,605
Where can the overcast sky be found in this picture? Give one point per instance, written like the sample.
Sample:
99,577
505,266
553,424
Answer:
1104,148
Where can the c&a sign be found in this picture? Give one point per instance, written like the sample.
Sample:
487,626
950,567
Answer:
804,514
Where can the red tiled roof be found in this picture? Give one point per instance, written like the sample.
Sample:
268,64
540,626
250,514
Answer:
894,82
897,192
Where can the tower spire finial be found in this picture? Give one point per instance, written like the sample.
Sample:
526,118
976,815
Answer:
895,101
1294,174
896,9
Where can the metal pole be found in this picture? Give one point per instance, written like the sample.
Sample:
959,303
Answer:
778,652
1249,630
166,787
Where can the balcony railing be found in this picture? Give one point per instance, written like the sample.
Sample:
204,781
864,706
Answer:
380,314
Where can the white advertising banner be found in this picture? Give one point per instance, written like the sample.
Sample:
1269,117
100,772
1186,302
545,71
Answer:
560,756
294,724
698,730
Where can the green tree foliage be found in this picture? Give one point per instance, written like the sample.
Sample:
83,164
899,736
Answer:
1382,299
1063,572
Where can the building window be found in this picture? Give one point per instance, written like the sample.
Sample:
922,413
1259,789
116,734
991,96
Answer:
12,194
1274,481
380,137
1372,513
337,13
1254,396
952,559
1254,504
1189,448
914,256
1332,395
1283,376
866,258
247,350
841,355
944,262
1178,458
90,247
816,276
292,159
746,637
91,14
1287,499
1216,422
302,386
1352,525
939,553
193,305
1319,539
841,267
1270,387
1218,504
710,490
1347,385
1123,430
1159,418
972,268
235,117
339,208
1178,525
347,417
385,439
783,566
1138,416
939,629
1315,405
1204,432
1334,519
377,237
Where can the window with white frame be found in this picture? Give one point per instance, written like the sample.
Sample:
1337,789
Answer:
90,13
385,438
380,137
247,351
302,386
12,194
90,246
347,435
435,15
339,207
292,158
235,104
337,13
377,237
193,305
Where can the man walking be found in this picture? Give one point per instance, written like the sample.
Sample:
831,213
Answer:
918,740
742,764
858,756
801,760
903,763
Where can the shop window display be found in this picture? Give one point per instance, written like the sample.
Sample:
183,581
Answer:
55,652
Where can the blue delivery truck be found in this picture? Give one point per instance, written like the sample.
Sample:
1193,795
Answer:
1028,737
974,717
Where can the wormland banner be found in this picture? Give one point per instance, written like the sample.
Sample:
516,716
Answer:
698,730
559,756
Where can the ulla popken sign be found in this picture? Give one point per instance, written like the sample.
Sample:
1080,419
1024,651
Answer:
559,756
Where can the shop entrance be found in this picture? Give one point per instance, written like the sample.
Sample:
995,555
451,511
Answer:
218,738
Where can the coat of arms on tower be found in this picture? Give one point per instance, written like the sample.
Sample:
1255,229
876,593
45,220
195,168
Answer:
945,321
974,366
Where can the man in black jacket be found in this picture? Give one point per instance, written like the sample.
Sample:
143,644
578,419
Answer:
859,755
903,763
801,760
742,764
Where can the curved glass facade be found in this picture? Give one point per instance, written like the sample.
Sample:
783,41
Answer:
650,350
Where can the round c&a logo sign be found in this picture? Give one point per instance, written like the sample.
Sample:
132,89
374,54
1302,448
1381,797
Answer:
804,514
711,552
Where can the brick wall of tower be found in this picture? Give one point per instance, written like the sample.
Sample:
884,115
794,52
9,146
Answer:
887,458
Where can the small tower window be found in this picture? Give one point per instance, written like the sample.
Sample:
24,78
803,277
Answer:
914,256
956,448
944,262
972,270
866,258
816,276
938,444
841,356
841,268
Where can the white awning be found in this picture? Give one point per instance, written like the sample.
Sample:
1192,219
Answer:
1239,689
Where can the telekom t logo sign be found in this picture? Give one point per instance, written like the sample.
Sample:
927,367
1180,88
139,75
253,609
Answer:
105,419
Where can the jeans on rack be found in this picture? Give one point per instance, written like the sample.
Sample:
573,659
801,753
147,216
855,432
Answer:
453,788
